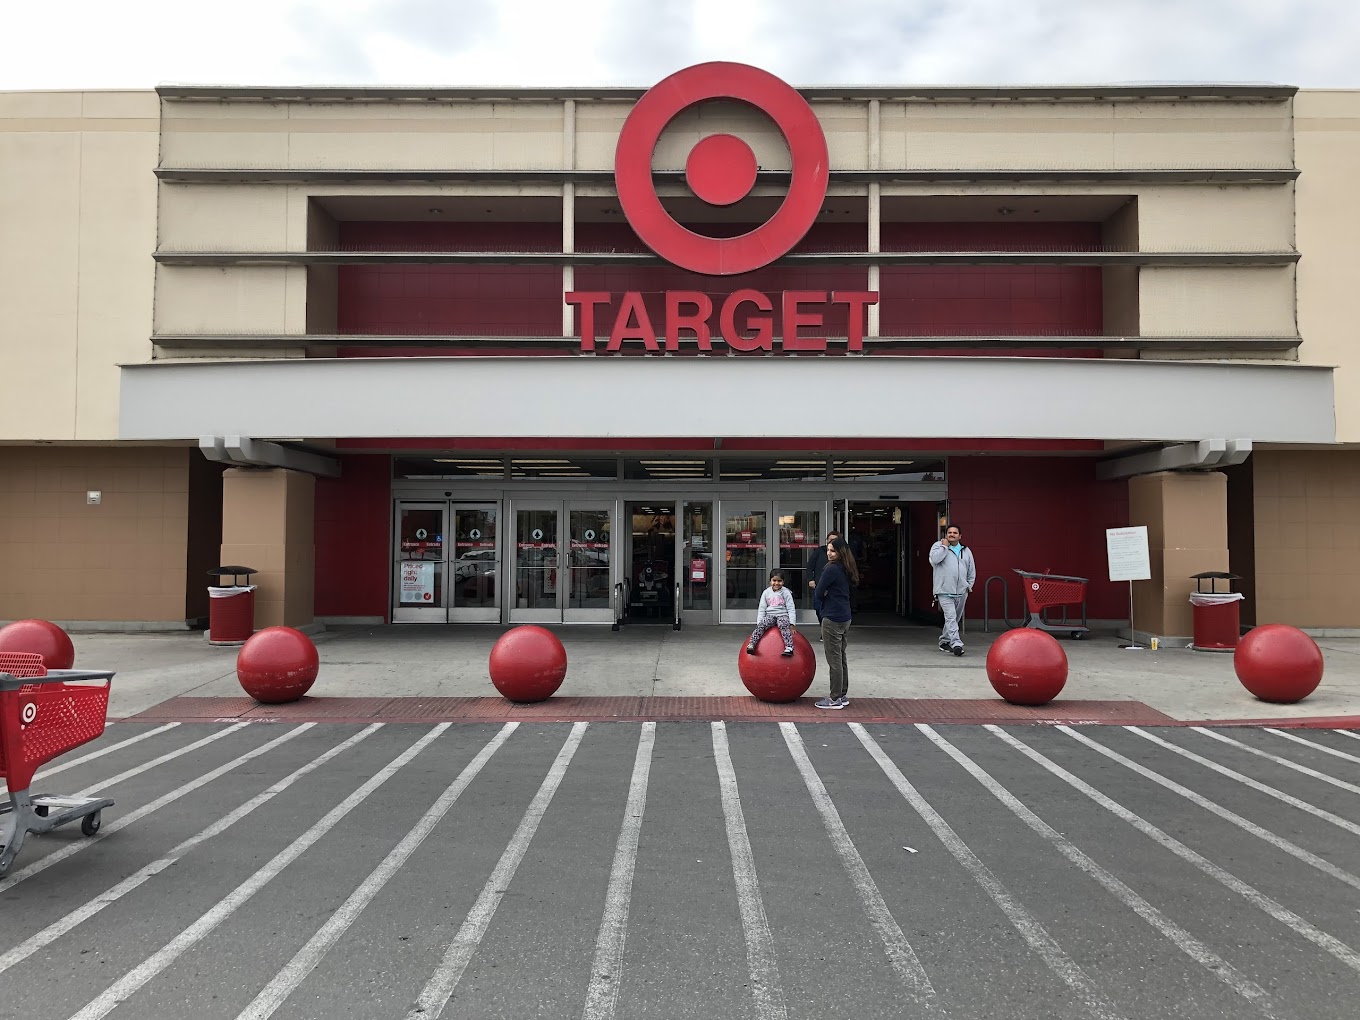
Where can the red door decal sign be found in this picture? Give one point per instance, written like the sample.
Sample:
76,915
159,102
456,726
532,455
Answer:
698,569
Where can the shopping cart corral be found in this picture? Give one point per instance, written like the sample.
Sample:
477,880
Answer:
1044,592
43,715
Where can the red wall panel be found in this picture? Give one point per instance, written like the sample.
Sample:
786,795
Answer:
483,299
1039,514
508,300
353,538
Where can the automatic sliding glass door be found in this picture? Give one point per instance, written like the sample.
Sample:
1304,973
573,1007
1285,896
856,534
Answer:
420,563
590,591
474,587
535,565
746,528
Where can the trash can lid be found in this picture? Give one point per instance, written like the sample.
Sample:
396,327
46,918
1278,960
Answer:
234,571
1219,575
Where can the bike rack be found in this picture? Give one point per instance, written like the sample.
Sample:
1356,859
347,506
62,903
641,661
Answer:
676,624
987,603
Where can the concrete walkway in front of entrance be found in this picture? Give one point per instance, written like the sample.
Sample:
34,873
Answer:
639,661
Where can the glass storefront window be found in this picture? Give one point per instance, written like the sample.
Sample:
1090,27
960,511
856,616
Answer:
589,559
746,528
663,469
564,467
800,532
536,560
476,560
698,565
472,466
420,579
870,468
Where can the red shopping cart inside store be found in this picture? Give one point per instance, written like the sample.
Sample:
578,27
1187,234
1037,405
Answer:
42,716
1045,593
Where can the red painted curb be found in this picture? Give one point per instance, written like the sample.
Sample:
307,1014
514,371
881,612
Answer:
634,709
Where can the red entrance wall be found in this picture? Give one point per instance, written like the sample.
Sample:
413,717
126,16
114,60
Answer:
353,538
1039,514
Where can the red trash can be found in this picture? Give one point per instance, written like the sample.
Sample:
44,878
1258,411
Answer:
1217,615
231,609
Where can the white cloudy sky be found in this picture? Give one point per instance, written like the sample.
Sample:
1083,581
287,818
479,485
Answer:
140,43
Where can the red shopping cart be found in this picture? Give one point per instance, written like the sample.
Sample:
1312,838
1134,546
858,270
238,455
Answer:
43,715
1052,591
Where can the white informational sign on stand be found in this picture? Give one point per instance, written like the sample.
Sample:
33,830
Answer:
1127,551
417,582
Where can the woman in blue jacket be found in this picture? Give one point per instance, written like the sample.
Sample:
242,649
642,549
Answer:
833,594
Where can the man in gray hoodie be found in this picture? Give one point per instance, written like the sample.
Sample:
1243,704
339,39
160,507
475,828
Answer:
955,572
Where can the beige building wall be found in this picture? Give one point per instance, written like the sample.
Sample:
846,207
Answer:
78,212
121,560
1307,513
1327,147
268,523
1209,217
1186,515
516,135
1087,135
1204,301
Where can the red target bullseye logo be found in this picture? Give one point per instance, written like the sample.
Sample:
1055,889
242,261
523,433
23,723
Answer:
721,169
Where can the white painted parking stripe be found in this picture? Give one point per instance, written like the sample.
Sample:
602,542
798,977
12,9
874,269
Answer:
306,959
755,926
900,954
178,752
1279,842
1023,921
1313,744
1348,733
1178,936
602,995
60,927
437,991
1287,917
52,770
1332,780
1269,791
122,822
129,983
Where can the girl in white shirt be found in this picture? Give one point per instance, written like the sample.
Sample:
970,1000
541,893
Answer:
775,610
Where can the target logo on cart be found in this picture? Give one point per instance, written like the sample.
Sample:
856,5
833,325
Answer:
28,713
721,168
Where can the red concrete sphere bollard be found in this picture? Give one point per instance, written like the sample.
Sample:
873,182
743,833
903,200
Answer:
772,676
39,636
277,664
528,664
1278,663
1027,667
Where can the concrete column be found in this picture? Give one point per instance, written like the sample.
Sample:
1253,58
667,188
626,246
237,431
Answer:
268,523
1186,514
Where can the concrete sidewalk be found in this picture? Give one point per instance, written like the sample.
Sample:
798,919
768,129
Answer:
642,661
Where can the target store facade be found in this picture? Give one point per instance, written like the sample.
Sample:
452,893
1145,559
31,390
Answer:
589,354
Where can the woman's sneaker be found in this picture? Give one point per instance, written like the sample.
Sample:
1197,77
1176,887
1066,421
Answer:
788,650
832,703
751,648
843,701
